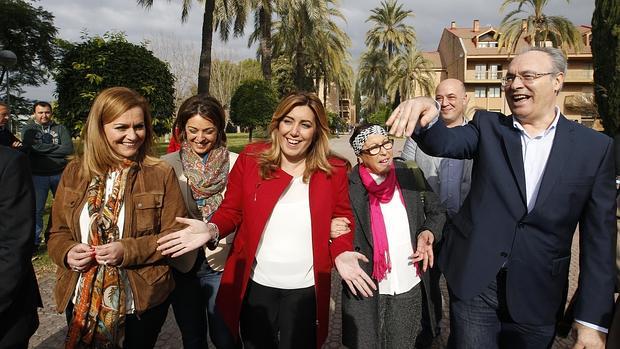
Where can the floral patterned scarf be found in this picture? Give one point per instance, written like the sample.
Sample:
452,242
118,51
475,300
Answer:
99,315
207,180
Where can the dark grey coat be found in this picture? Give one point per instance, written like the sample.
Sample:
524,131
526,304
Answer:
360,316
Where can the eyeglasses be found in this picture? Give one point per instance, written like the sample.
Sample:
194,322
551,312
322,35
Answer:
375,149
526,78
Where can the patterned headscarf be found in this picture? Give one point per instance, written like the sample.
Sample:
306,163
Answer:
360,139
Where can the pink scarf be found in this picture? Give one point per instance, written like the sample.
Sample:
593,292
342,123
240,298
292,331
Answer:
379,194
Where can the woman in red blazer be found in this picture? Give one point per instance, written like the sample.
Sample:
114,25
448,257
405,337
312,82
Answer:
281,198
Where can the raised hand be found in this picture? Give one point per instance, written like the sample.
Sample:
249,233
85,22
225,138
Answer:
410,113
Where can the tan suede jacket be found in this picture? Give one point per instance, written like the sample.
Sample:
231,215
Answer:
152,201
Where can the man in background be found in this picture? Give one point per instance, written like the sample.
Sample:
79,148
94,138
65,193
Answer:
48,145
450,179
7,139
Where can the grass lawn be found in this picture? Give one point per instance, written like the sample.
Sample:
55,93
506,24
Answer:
42,262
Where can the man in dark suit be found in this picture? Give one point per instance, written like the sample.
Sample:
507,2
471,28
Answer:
536,175
19,293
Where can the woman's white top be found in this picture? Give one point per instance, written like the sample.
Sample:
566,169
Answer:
84,231
404,275
284,255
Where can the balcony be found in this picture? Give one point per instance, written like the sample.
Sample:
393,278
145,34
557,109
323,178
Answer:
493,76
579,76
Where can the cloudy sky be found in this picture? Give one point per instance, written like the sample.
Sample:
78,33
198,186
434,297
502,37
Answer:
74,17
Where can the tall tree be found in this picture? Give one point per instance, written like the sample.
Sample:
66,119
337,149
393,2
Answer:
300,22
410,74
536,27
373,73
29,32
606,56
263,10
222,14
389,31
100,62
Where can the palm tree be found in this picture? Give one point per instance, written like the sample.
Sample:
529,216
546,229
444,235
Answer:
373,73
220,14
262,33
298,31
410,74
328,57
389,30
537,28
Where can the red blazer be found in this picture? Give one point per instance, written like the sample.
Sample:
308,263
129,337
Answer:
247,206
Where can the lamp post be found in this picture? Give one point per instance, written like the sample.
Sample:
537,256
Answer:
7,60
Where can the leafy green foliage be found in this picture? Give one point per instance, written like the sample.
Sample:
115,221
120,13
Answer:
253,104
336,123
380,116
539,27
606,57
101,62
29,32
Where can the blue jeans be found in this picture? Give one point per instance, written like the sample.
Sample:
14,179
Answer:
193,303
484,322
42,186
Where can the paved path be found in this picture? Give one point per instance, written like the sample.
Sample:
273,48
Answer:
51,332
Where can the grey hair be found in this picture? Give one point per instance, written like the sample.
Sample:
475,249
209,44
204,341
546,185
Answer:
558,59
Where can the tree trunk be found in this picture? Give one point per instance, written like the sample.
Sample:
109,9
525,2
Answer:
325,90
299,64
250,134
204,69
265,41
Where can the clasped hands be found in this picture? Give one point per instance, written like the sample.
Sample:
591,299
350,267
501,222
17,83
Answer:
82,257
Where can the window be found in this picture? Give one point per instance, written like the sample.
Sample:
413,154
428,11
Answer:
480,92
484,44
480,71
495,71
494,92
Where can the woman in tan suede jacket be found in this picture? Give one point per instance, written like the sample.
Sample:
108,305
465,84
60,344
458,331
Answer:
113,203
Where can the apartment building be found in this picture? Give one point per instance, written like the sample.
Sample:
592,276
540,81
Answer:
471,54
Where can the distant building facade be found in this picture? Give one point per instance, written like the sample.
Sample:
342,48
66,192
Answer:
472,55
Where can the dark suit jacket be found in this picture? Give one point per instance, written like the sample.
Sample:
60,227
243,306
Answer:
19,293
495,229
360,316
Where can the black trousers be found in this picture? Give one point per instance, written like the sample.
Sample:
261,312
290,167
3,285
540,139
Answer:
141,331
278,318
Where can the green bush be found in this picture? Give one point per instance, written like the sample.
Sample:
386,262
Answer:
253,104
101,62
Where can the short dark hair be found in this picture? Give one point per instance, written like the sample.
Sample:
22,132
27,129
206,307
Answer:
41,104
2,104
208,108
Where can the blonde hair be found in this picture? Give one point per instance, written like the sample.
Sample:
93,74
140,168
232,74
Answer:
317,154
98,157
